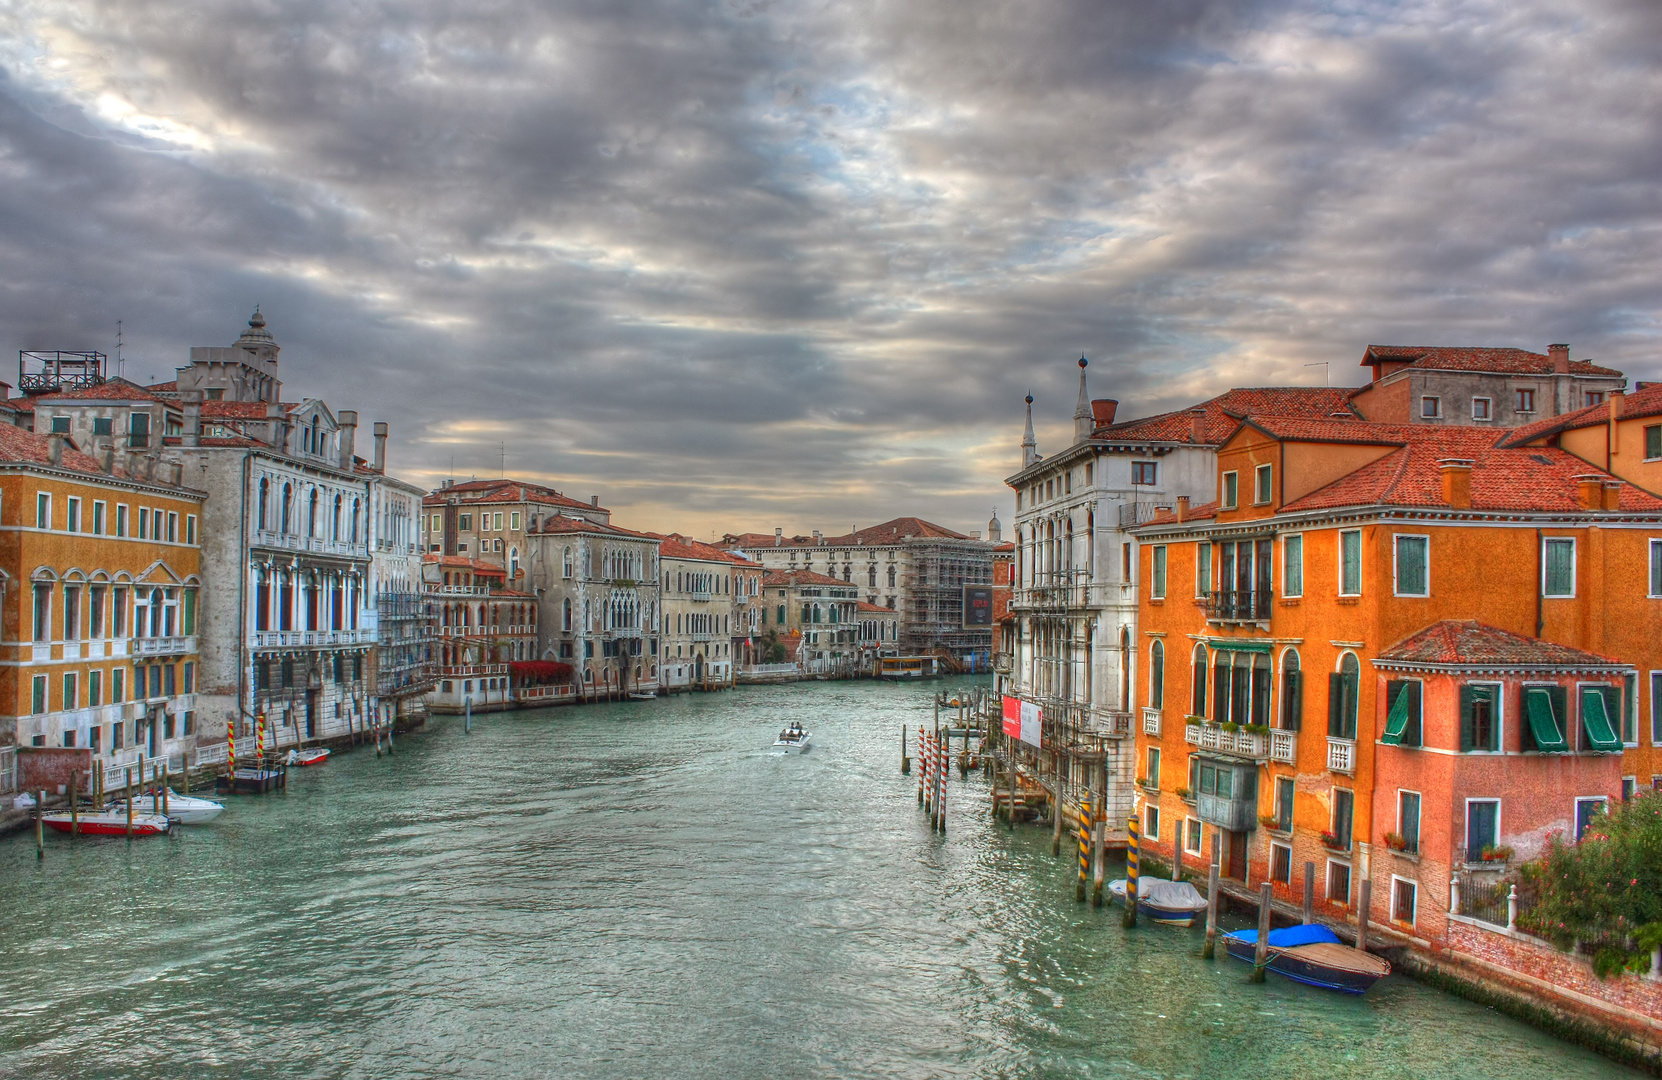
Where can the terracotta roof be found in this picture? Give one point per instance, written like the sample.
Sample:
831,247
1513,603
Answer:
566,523
676,546
109,390
462,562
505,491
1466,641
17,445
798,578
234,410
1203,512
227,440
1463,358
170,387
1224,412
1634,406
878,609
886,534
21,404
1538,479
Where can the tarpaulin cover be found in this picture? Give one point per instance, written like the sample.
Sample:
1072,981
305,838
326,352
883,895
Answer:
1170,895
1289,937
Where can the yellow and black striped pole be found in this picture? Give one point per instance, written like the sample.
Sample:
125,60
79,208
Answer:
1084,849
1132,841
231,742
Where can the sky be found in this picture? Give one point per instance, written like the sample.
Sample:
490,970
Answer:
742,265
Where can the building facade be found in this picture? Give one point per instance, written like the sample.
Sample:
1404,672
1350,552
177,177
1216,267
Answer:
824,611
480,628
490,520
598,597
1480,386
704,613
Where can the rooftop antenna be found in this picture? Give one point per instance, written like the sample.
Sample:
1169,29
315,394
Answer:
1323,365
119,369
502,464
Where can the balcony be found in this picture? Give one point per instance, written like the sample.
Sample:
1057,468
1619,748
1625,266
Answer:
311,544
1239,605
1284,746
1151,722
163,646
1210,736
1341,755
1078,596
275,639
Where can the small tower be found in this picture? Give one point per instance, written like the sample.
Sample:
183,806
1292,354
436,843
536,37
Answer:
1083,425
1029,445
257,339
995,531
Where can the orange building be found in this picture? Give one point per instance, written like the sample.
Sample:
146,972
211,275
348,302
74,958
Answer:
1279,622
100,563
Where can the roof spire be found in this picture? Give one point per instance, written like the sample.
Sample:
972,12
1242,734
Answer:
1029,445
1082,422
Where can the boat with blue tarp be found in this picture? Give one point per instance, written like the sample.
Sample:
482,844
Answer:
1311,954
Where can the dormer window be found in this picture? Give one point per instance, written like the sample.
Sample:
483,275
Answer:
1431,408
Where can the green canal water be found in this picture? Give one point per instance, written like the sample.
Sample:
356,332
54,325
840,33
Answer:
645,890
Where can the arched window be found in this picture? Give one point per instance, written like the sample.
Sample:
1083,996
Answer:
566,565
265,499
891,577
1343,688
354,521
288,508
1157,675
871,576
334,530
1262,679
513,562
780,619
1292,691
1197,692
311,513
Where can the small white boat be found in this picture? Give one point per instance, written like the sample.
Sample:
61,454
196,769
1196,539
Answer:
793,740
1175,903
106,823
636,695
185,809
315,756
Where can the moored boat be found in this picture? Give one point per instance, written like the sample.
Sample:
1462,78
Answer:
1312,955
107,823
317,755
793,740
185,809
1174,903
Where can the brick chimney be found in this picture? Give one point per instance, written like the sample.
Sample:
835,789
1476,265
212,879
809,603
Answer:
1103,410
1457,482
1182,508
380,462
1560,357
192,432
1589,491
1613,494
347,421
778,537
1197,425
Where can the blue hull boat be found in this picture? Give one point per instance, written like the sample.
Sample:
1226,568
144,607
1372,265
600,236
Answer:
1312,955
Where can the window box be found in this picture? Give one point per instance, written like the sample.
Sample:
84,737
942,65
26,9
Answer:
1333,842
1186,795
1496,853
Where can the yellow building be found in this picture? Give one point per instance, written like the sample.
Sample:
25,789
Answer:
99,572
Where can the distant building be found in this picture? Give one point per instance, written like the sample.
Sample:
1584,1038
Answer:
480,627
598,600
1414,384
824,610
489,520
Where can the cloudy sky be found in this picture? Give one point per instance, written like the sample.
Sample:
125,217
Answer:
745,264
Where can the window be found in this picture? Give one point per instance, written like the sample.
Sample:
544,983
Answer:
190,529
1630,710
37,696
102,425
1344,816
1653,442
60,425
43,510
95,688
1350,562
1151,822
43,612
98,518
1482,408
1526,401
121,519
138,430
71,690
144,523
1656,568
1600,708
1157,675
1403,710
1402,900
513,520
1431,407
1203,567
1284,803
1292,565
1558,566
1479,717
1595,397
1231,489
1587,810
1412,571
464,522
1281,864
497,526
1656,708
1197,692
1261,485
1408,819
1338,882
118,694
1153,776
1157,587
1482,827
1292,691
73,515
1144,472
172,526
1342,688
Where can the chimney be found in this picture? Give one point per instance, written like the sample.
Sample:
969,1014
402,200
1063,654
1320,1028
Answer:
1589,491
1182,508
1457,482
192,432
6,391
778,537
1197,425
1102,411
446,483
819,541
594,501
54,448
347,420
380,463
1612,494
1560,357
106,458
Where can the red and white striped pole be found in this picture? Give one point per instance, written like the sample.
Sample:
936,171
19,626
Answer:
940,802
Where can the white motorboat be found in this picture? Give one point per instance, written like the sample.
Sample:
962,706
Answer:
793,740
185,809
111,822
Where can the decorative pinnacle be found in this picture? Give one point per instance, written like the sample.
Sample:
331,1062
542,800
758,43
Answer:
1083,361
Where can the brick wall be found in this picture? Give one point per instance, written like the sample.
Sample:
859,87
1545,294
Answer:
1535,959
43,768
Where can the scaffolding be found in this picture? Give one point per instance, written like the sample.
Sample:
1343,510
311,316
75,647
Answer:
935,594
52,372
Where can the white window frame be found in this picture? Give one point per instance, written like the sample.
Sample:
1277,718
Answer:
100,517
1341,556
1466,820
1200,836
190,529
1350,881
1630,788
1159,567
1263,487
1655,561
123,520
1229,479
1499,689
43,505
1151,821
72,514
1436,412
1655,708
1579,799
1285,595
1488,408
1276,845
1396,586
513,521
1418,828
1546,542
1398,879
1203,581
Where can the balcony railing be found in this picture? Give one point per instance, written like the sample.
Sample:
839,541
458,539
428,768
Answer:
1210,736
1284,746
1139,513
163,646
293,542
1069,597
1341,755
1239,605
273,639
1151,722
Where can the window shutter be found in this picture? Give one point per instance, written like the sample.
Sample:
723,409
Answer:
1561,709
1414,735
1465,718
1295,711
1335,704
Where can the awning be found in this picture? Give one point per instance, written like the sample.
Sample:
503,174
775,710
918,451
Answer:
1595,721
1542,724
1396,722
1239,645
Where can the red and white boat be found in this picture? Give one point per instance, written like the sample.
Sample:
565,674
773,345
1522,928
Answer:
317,755
107,823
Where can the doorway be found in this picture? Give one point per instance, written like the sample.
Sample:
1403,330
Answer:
311,713
1237,855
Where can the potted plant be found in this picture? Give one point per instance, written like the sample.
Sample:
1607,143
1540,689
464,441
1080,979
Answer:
1396,841
1185,794
1230,726
1331,840
1270,821
1258,729
1496,853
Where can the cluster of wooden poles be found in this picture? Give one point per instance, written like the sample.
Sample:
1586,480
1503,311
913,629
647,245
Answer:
97,797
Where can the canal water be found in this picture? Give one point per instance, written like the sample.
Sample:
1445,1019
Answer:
646,890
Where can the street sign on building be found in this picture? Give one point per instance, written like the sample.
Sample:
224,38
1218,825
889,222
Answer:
1023,720
978,606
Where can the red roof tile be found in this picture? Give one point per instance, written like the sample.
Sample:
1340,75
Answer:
171,387
1224,412
505,491
1463,358
109,390
462,562
1466,641
797,578
1634,406
877,609
676,546
566,523
234,410
890,532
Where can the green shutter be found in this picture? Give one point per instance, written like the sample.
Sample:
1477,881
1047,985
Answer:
1595,720
1335,705
1543,723
1396,721
1291,720
1466,734
1653,442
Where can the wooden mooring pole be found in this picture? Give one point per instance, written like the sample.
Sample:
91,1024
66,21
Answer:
905,762
1309,892
1133,841
1261,949
1362,915
1210,948
1084,837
